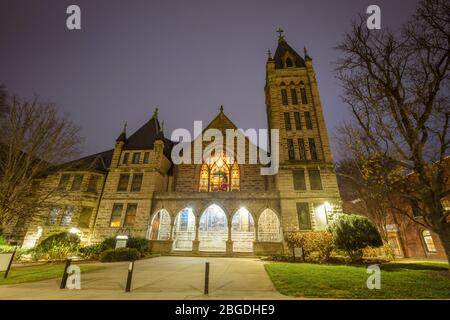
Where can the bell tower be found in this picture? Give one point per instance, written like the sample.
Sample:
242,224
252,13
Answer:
306,179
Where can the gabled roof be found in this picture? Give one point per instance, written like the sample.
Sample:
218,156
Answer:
145,136
99,161
282,48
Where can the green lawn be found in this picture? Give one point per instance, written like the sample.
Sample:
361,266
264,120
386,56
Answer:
399,280
42,272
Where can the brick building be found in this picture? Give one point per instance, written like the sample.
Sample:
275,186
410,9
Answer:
135,189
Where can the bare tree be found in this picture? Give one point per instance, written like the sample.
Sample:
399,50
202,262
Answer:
397,87
35,140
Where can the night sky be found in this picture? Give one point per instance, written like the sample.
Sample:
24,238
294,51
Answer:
187,57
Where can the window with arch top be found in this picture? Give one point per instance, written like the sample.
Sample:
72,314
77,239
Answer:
289,63
219,174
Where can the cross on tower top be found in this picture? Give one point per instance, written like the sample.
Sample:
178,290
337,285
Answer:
280,34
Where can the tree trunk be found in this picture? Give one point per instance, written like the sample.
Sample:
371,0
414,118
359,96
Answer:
444,236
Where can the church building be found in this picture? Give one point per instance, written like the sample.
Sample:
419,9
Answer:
217,206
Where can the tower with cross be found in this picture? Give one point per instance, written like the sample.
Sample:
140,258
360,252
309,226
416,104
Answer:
306,166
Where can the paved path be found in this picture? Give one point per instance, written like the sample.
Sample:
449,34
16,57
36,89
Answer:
161,278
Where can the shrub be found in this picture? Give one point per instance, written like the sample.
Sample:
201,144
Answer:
92,251
20,253
3,241
140,244
385,252
57,247
353,233
315,244
121,254
108,243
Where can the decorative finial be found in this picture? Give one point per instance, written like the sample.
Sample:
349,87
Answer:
269,54
221,108
161,129
280,34
307,57
155,113
125,127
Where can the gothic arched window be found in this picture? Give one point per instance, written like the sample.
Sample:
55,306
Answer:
219,174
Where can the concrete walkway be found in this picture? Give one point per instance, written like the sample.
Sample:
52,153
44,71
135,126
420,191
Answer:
161,278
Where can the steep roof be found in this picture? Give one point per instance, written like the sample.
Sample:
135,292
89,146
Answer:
145,137
99,161
282,48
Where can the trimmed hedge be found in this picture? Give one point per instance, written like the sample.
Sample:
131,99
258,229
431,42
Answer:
316,245
121,254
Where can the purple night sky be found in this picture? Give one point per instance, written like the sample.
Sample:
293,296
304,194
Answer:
187,57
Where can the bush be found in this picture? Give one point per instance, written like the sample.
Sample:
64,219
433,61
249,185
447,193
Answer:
3,241
140,244
20,253
353,233
91,252
316,245
57,247
385,252
108,243
121,254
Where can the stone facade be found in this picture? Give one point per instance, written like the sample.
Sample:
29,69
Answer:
140,191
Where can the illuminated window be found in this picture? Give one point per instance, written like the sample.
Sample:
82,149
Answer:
428,240
217,174
320,213
204,178
235,177
116,215
130,215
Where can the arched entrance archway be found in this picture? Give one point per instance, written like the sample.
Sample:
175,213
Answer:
269,226
184,230
213,229
242,231
160,226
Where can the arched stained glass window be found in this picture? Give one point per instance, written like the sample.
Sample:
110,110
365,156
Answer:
218,174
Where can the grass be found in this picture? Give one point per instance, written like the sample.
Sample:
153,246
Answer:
42,272
399,280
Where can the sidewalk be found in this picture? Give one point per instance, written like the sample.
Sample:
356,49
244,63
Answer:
175,278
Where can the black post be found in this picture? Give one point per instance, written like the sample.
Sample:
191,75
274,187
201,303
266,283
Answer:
206,278
130,276
10,263
65,274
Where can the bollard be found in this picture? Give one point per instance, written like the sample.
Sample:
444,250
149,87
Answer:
10,263
206,278
65,274
130,276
